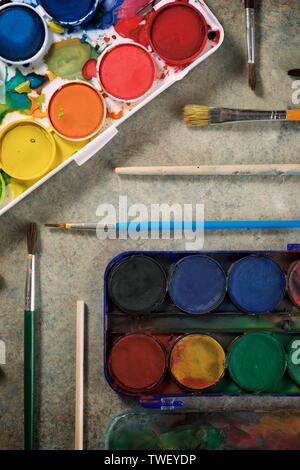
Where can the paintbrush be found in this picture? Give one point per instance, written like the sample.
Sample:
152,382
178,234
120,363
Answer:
198,115
250,34
147,8
29,340
178,225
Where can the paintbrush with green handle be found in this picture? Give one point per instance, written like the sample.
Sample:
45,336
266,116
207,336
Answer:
29,341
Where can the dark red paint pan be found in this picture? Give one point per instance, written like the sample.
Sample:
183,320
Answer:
137,362
178,33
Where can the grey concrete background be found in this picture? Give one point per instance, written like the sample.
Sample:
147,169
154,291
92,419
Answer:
71,266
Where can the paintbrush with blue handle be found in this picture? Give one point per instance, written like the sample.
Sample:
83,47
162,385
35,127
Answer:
177,225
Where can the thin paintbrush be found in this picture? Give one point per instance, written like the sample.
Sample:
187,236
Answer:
250,33
177,225
29,341
198,115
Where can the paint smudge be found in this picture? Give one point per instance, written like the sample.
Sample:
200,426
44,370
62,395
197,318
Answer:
139,439
213,438
203,431
67,58
13,100
274,432
130,8
115,109
36,81
89,70
134,28
186,439
36,106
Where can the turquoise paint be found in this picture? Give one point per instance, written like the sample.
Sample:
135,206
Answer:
14,101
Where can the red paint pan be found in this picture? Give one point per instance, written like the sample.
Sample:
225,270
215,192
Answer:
178,33
137,362
126,71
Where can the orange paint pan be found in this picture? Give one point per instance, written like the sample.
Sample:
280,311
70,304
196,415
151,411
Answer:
77,111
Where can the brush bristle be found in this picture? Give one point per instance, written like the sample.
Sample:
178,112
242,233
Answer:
196,115
31,238
252,76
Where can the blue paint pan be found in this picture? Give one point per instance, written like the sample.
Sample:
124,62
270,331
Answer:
256,284
23,34
70,12
197,284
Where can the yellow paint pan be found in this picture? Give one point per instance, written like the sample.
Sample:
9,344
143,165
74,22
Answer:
27,150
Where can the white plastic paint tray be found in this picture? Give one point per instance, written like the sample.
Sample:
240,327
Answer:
99,39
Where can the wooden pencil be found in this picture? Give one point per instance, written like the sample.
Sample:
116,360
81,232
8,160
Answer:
79,376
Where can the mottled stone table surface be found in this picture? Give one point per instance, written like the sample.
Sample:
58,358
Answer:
71,266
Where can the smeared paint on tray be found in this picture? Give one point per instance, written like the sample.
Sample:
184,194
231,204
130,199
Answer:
246,430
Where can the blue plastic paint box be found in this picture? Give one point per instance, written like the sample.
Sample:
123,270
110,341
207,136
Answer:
166,323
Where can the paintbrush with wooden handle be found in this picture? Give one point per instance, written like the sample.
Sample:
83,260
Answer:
198,115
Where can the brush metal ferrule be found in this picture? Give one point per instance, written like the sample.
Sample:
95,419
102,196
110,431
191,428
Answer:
83,226
30,284
221,115
250,33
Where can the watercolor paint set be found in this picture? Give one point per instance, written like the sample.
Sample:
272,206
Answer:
180,324
71,72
